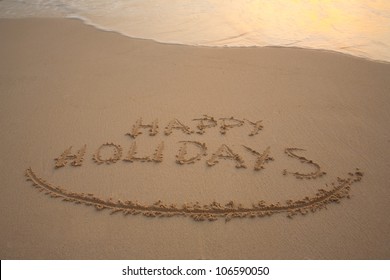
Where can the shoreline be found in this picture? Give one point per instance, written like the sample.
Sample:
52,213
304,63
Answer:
194,127
100,28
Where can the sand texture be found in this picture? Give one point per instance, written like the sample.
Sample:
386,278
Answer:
120,148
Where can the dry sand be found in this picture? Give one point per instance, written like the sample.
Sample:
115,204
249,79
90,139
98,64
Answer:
152,134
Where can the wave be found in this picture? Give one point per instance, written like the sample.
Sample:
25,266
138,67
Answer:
358,28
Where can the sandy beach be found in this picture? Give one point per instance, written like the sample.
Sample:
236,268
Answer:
121,148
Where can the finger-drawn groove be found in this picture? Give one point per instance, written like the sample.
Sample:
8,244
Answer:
115,157
198,212
261,158
180,158
312,175
225,152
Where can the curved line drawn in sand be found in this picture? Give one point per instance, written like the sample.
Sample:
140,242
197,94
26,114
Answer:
198,212
115,157
317,173
78,158
180,157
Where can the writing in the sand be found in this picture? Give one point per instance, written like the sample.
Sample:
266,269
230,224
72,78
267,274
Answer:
188,152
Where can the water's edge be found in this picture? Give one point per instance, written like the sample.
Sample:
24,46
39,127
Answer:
358,29
103,29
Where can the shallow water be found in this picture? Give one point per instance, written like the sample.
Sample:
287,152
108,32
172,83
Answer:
360,28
